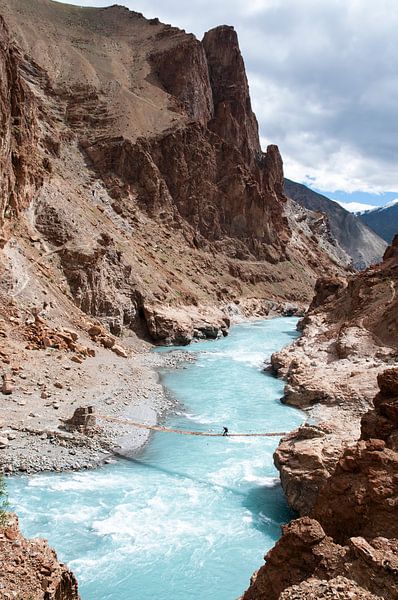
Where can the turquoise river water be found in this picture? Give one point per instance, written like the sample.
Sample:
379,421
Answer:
189,517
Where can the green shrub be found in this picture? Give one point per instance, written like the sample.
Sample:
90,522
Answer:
4,505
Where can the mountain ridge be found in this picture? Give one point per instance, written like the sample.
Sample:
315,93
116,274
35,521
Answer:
358,241
383,220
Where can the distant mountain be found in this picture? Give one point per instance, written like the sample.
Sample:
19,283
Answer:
359,241
383,220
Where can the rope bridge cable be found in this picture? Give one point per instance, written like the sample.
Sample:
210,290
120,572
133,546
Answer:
186,432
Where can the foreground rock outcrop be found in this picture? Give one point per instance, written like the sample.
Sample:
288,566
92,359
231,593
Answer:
30,569
306,558
348,545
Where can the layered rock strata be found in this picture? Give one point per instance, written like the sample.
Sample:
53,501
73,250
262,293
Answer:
147,193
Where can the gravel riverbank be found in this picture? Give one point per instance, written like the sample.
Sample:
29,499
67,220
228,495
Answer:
32,436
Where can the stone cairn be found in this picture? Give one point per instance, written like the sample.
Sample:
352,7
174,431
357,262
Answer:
83,420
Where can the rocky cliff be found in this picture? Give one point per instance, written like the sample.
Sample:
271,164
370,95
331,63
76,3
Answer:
349,334
349,338
30,569
348,546
361,243
20,173
138,182
339,470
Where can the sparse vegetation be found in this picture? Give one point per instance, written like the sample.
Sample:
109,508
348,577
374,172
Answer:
4,505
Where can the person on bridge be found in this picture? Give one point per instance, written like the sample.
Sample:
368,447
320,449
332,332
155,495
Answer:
225,432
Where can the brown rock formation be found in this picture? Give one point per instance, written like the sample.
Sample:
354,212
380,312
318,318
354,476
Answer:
30,569
382,423
339,588
156,193
19,172
352,532
303,550
305,558
361,497
334,369
349,335
233,120
183,72
306,458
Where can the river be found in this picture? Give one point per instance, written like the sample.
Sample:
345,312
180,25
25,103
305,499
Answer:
189,517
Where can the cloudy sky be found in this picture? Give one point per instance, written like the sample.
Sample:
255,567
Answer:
323,76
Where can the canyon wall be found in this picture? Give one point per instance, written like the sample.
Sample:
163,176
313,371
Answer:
339,471
19,172
138,181
349,542
361,243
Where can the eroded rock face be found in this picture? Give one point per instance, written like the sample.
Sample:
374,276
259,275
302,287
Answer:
325,289
351,530
305,556
349,337
30,568
234,120
382,422
19,171
306,458
338,588
183,71
303,550
361,497
181,326
156,191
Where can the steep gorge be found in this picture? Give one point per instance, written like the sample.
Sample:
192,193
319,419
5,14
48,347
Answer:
134,192
143,177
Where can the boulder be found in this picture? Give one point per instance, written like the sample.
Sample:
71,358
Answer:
7,388
3,443
119,351
388,383
305,459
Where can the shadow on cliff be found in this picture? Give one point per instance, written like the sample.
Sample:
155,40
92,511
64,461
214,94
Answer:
268,507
